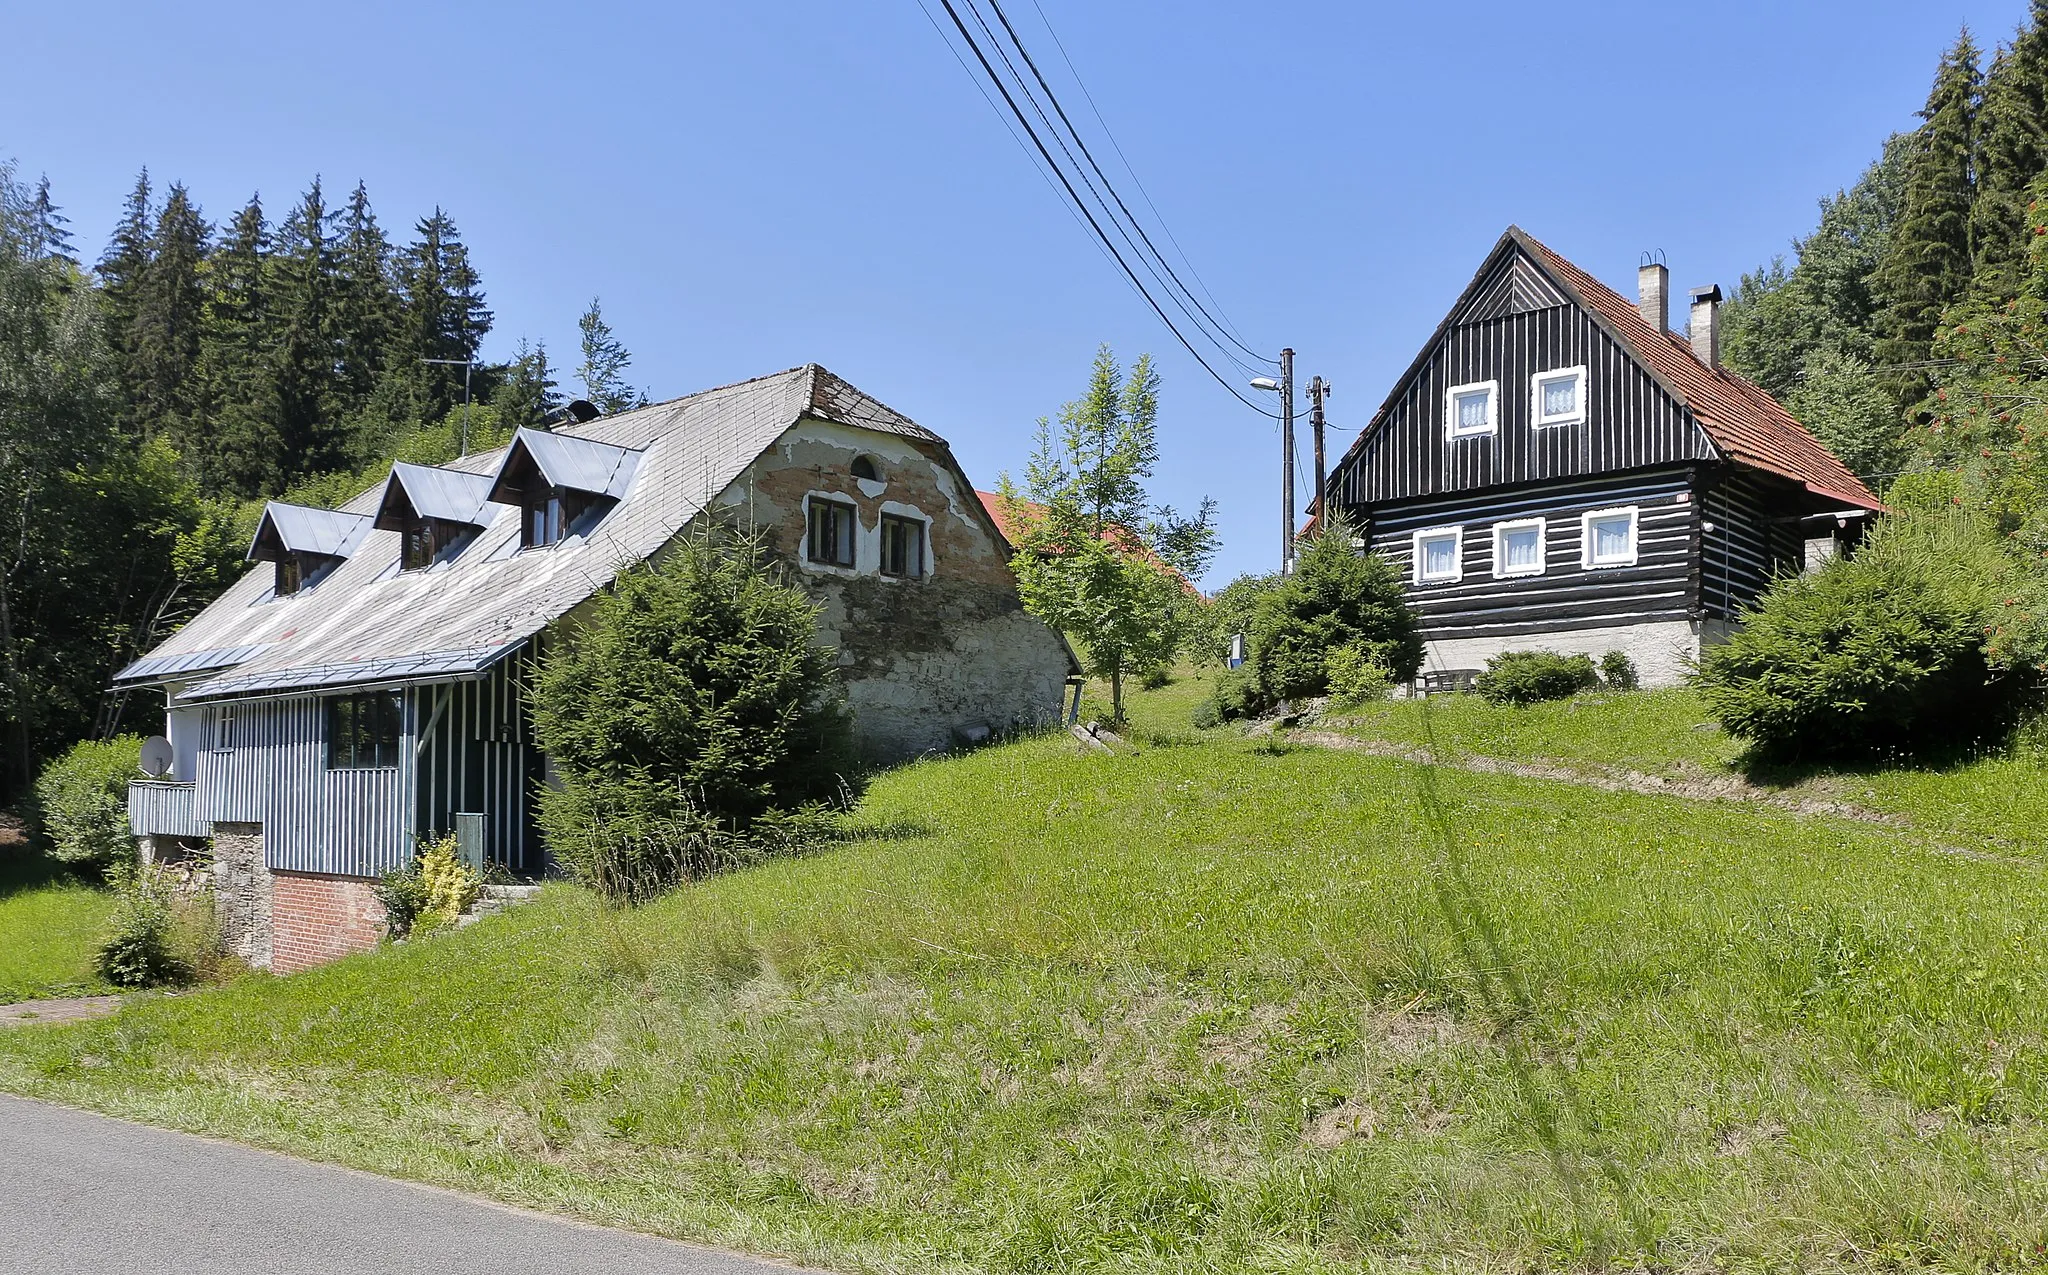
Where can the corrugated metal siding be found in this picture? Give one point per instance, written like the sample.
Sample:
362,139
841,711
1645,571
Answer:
156,808
274,773
477,757
1631,422
1567,595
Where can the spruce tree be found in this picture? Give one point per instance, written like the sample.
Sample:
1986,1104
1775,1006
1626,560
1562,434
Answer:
308,437
365,303
164,333
526,397
1926,266
442,317
44,237
232,436
120,272
2012,149
604,362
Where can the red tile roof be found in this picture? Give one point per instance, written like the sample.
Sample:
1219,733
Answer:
1117,536
1744,421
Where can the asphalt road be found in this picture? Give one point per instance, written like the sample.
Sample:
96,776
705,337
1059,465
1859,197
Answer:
83,1193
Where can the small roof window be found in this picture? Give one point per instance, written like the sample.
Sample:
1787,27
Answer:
866,467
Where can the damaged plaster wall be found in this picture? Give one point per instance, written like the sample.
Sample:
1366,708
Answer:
928,662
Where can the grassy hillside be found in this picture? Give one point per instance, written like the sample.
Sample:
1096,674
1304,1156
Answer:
1219,1004
49,925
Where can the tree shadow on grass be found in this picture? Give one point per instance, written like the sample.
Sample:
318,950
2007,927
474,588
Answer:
24,868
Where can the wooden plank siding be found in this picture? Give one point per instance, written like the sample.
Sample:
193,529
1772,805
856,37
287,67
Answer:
477,757
1567,595
1631,422
1748,546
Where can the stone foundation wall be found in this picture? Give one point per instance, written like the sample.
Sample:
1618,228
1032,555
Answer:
318,918
241,891
1663,653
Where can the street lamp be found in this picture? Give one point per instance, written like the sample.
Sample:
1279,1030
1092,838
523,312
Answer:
1284,387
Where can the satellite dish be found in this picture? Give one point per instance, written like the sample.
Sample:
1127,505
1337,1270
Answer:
582,410
156,756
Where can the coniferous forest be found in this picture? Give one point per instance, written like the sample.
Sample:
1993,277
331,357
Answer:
153,396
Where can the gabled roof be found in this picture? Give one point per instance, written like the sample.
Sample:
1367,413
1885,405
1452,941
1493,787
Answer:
1742,419
450,495
330,533
566,461
370,622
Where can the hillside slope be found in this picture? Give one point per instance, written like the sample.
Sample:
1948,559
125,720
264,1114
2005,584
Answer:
1219,1004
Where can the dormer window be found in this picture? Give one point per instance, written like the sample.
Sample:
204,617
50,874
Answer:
304,543
291,575
435,512
1472,410
562,484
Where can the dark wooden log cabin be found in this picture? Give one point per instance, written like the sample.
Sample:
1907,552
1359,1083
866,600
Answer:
1557,470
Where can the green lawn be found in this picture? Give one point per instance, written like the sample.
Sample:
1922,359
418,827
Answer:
1213,1004
50,923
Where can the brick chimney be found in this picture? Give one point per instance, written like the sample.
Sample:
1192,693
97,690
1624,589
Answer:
1653,296
1706,325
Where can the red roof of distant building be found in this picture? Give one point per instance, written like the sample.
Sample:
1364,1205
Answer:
1120,537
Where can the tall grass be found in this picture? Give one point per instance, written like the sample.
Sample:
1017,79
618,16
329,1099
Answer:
1205,1005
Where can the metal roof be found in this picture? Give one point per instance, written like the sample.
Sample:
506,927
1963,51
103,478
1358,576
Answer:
450,495
331,533
368,621
578,464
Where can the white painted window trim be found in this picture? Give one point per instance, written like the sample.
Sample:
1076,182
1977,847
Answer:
1500,530
1536,384
1451,430
908,513
1457,556
1635,532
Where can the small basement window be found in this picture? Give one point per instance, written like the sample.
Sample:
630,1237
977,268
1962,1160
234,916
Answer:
1438,555
1518,548
362,731
1609,538
831,538
1472,410
902,547
1559,397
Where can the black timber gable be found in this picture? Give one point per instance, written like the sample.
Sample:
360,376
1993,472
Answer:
1513,322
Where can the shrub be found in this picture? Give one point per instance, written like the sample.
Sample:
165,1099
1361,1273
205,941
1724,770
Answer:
1527,677
81,801
694,704
1337,597
1233,697
403,892
1355,676
1884,652
1618,672
430,892
1230,613
141,948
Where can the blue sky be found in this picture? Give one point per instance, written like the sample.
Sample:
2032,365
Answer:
754,186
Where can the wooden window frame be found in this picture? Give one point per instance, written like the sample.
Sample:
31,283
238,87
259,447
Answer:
1537,418
290,577
813,507
1500,534
1415,542
224,729
1635,536
569,507
353,746
918,527
1452,431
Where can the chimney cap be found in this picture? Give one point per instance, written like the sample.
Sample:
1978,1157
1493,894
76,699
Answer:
1712,292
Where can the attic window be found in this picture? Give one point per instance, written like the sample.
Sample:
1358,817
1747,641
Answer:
1472,410
1558,398
865,467
902,547
426,539
831,533
551,518
291,576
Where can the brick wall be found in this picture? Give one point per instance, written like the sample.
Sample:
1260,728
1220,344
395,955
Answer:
316,918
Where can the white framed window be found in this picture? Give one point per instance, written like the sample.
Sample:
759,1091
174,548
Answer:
1472,410
1558,397
1608,538
1439,555
1518,548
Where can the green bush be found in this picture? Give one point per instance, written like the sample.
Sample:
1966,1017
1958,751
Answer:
1230,613
1527,677
1618,672
693,705
1337,598
1356,676
142,946
406,898
1234,697
430,892
1881,653
81,801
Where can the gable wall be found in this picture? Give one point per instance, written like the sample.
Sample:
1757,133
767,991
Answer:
1632,423
922,659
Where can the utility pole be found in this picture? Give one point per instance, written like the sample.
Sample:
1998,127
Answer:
1287,462
466,365
1318,390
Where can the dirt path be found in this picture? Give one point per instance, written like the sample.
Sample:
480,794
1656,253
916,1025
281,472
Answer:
60,1009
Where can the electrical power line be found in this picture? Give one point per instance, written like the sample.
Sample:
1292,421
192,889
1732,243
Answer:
1066,183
